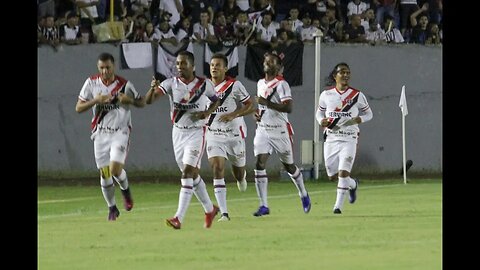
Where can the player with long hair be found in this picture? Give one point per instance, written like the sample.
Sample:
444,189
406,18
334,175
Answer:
340,109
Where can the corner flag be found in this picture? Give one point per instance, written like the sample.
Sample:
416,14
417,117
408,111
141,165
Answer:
403,107
403,102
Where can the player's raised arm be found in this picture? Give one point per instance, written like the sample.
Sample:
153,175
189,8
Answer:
153,92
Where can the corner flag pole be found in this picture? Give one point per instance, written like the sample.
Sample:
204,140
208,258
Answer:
403,107
316,127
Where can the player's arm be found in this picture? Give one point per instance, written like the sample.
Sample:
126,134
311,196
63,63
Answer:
285,106
154,92
246,109
131,96
137,102
365,113
213,106
83,105
320,115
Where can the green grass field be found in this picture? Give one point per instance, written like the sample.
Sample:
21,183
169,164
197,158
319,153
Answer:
391,226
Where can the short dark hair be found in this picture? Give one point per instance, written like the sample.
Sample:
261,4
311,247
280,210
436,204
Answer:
106,56
189,56
221,56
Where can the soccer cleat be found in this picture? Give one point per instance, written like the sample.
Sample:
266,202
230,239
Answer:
262,210
353,192
306,204
242,185
173,222
127,199
224,217
210,216
337,211
113,213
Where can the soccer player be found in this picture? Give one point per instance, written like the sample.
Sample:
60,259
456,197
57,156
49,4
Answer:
274,132
190,97
227,131
340,109
110,96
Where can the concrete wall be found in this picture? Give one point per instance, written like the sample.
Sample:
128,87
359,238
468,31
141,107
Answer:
380,72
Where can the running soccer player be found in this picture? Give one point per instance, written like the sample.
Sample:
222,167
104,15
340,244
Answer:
274,132
189,98
340,109
110,96
227,131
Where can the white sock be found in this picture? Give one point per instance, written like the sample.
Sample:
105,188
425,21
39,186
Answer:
297,179
122,180
351,183
184,198
200,191
220,191
108,190
342,188
261,184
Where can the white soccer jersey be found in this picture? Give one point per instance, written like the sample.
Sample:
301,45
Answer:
229,92
274,122
112,116
187,98
340,107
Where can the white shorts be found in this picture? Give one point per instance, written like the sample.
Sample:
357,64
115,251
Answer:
339,155
188,146
233,150
264,144
111,147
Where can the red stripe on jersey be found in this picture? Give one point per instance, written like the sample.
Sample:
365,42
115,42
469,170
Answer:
242,133
226,85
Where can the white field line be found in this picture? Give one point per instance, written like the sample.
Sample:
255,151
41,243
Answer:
293,194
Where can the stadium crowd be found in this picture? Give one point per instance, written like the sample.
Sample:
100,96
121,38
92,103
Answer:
244,22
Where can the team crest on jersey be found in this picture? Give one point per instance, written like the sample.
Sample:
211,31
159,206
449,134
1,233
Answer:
122,148
348,101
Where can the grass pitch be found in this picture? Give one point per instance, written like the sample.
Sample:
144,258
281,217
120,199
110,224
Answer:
391,226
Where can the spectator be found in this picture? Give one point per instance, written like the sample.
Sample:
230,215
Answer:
223,31
433,36
203,31
194,8
355,7
407,8
384,7
50,34
266,32
419,30
88,16
151,34
230,10
374,35
70,32
392,34
242,27
354,32
307,30
174,8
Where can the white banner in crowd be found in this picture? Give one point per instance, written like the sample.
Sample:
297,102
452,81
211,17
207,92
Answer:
137,55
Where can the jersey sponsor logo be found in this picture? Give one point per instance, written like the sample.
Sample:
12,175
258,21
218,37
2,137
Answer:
339,114
221,109
219,130
107,107
180,106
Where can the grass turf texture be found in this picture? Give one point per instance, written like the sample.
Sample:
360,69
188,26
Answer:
391,226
